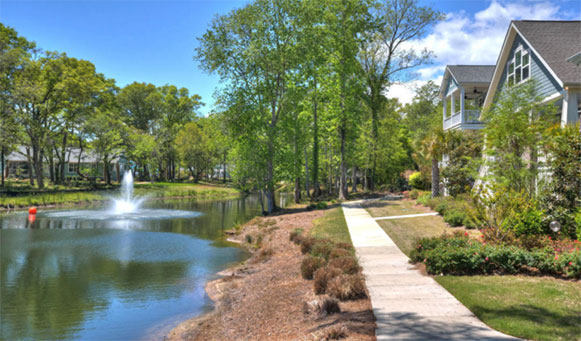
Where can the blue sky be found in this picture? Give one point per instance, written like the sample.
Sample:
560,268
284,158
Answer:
154,41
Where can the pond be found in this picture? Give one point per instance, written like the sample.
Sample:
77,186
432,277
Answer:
77,275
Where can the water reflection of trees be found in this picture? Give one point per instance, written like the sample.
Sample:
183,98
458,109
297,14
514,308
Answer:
48,293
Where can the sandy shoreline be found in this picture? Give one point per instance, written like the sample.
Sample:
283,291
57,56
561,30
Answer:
264,297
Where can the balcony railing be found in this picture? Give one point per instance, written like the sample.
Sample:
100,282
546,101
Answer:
470,117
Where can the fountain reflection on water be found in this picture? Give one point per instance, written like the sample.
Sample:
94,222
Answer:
126,207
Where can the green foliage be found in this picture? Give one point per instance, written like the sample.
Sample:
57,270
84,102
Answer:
464,158
562,196
418,181
514,128
524,217
414,194
423,199
461,256
455,218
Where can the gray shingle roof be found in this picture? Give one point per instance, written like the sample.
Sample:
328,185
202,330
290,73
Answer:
555,41
472,73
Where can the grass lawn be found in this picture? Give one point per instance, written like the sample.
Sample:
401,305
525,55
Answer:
528,307
155,190
404,232
332,226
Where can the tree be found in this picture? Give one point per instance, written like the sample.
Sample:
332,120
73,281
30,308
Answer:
15,52
194,149
384,56
434,145
252,49
514,136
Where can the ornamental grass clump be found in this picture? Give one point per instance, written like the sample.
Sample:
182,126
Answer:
307,243
347,287
348,264
310,264
294,236
337,253
322,248
322,277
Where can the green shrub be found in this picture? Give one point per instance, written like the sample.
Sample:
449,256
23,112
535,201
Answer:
441,207
321,205
309,265
458,255
248,239
418,181
423,199
455,218
524,217
414,194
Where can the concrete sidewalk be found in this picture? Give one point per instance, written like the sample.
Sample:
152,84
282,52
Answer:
406,304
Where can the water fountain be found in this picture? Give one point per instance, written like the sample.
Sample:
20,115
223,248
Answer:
127,203
126,207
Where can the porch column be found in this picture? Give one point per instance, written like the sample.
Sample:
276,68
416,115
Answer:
445,107
569,111
453,107
462,105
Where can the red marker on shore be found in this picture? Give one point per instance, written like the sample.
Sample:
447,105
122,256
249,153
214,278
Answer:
32,210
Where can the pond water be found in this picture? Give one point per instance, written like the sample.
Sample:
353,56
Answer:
76,275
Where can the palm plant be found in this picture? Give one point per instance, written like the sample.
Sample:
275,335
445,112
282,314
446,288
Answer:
433,147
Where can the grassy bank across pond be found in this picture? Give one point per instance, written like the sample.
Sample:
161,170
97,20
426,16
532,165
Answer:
151,190
534,308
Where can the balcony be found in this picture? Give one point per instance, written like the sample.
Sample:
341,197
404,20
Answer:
468,120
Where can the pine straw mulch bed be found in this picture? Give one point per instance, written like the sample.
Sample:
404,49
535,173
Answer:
263,298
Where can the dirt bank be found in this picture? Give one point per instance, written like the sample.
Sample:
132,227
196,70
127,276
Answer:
264,297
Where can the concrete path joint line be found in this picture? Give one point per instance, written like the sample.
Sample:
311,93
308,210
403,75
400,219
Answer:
407,304
406,216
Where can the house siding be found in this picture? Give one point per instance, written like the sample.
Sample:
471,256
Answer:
545,83
451,86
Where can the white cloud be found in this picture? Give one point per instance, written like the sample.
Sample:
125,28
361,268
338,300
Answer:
471,39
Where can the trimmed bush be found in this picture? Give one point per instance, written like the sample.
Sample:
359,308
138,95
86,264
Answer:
458,255
418,181
455,218
321,205
322,276
309,265
423,199
347,287
337,253
525,217
414,194
348,264
441,207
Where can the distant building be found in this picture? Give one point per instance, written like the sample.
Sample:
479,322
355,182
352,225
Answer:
16,165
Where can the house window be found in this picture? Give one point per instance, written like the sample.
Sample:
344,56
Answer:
518,68
73,167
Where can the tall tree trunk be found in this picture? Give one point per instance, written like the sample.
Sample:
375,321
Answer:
316,187
297,190
3,164
30,167
270,204
342,168
365,182
37,156
224,167
354,179
61,170
307,189
435,178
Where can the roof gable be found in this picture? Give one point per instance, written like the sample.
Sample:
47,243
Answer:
554,39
